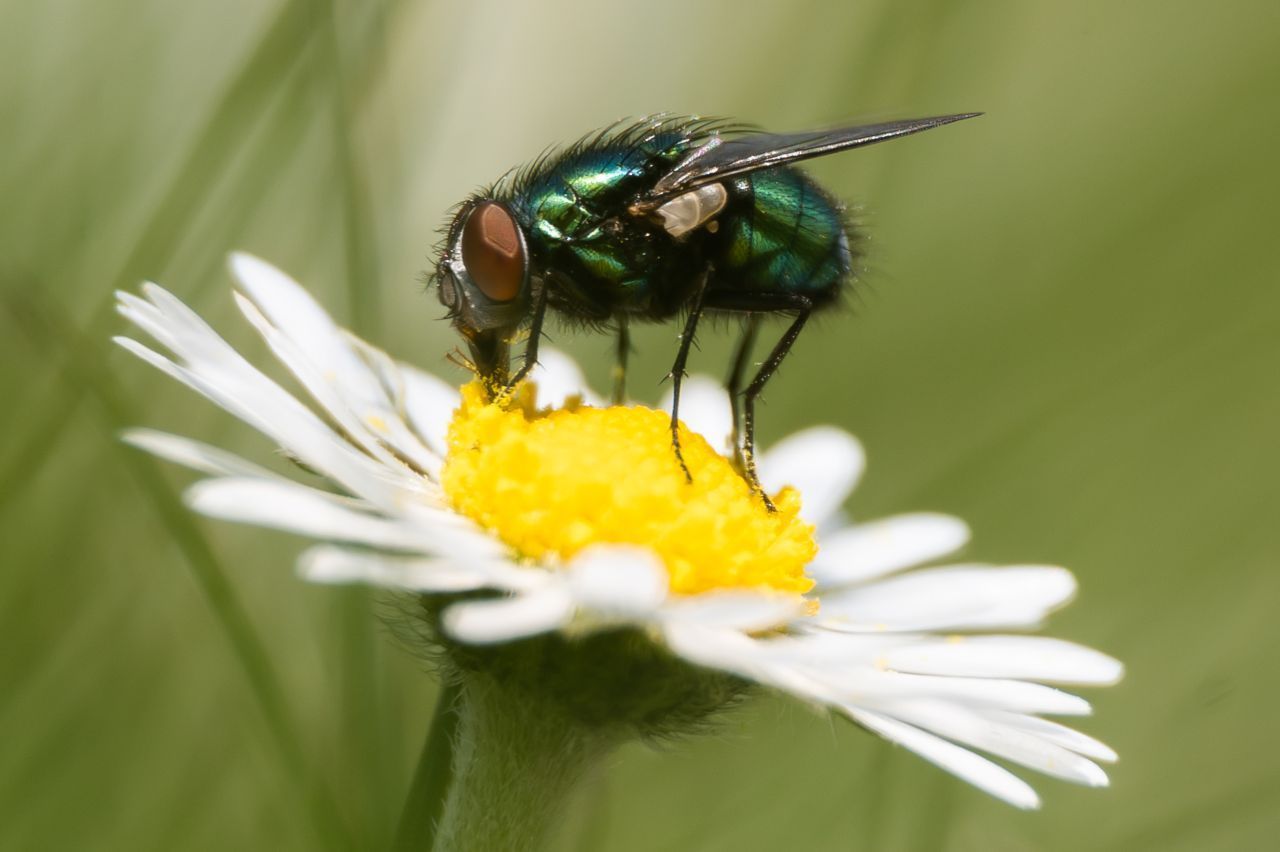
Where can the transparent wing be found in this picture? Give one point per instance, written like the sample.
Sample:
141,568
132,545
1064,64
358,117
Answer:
722,158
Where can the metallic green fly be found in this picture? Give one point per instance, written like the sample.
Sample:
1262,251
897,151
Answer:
646,222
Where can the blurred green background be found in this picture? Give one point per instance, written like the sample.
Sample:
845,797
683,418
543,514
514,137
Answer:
1070,338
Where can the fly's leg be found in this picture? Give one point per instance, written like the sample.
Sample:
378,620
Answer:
677,370
770,366
530,348
757,304
742,355
620,364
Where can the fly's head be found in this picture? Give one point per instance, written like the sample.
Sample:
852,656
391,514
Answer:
483,278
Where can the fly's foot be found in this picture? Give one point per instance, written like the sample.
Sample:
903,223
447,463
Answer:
675,446
753,481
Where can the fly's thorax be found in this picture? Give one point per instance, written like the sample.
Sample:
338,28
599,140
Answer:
599,259
599,268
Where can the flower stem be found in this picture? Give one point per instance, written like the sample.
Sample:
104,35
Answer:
425,800
517,759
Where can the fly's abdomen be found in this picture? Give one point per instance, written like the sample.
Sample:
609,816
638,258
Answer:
782,233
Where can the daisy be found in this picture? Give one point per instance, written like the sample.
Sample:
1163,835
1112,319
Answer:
555,516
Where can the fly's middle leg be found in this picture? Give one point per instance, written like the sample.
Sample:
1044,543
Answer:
620,362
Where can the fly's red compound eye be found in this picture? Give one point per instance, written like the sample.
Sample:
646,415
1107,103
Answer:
493,251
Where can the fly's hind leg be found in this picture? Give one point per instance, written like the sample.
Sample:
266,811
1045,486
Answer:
741,357
796,303
677,369
753,392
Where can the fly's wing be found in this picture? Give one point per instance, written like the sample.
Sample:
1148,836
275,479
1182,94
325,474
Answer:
720,158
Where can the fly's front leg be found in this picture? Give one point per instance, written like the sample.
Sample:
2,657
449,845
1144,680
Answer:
677,370
530,348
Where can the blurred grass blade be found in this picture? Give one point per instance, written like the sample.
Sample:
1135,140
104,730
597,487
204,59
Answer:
246,100
51,329
364,718
424,802
362,278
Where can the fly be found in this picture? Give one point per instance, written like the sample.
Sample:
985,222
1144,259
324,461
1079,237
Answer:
650,221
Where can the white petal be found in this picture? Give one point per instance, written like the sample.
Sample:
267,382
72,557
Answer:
873,549
864,684
1029,657
400,432
558,377
302,510
193,454
961,762
952,598
735,609
504,619
1060,734
193,338
147,317
334,366
429,405
233,384
350,400
811,645
342,372
1001,694
325,564
823,463
973,729
736,653
298,317
704,408
295,508
613,580
705,645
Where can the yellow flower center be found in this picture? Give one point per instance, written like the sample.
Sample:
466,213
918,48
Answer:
552,482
